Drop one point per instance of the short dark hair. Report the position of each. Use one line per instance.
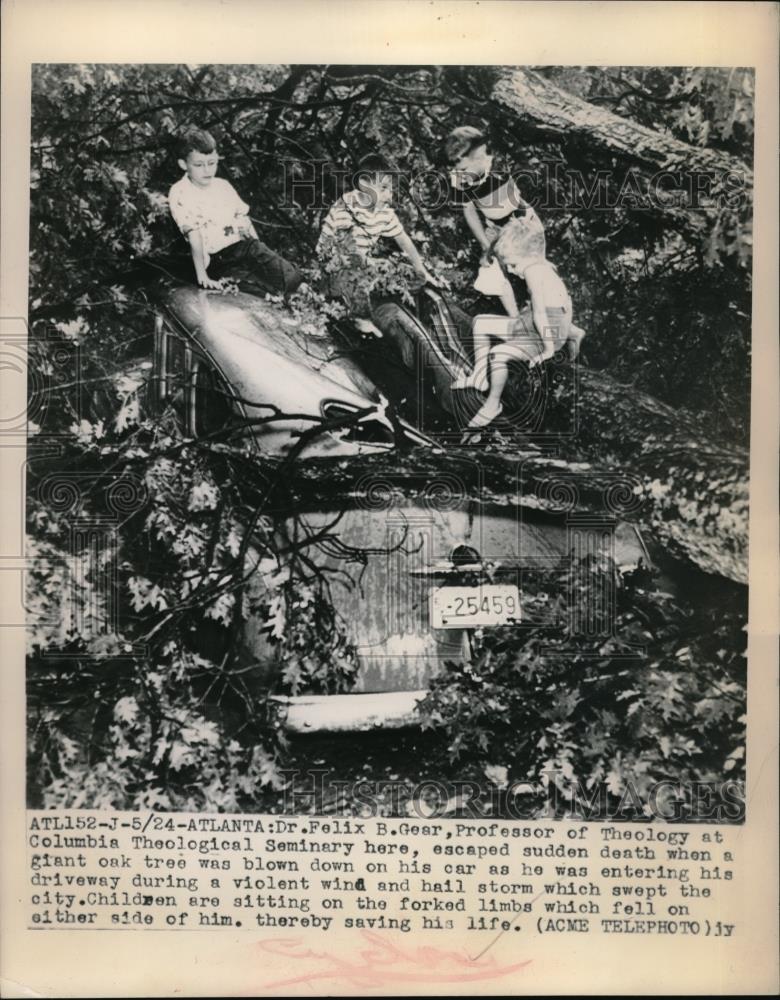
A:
(462, 140)
(372, 166)
(195, 140)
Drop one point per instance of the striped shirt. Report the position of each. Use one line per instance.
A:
(366, 225)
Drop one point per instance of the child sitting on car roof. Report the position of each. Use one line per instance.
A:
(361, 218)
(215, 221)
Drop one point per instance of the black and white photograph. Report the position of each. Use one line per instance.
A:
(389, 425)
(388, 439)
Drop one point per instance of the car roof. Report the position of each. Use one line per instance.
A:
(219, 322)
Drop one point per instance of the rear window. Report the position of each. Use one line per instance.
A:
(214, 409)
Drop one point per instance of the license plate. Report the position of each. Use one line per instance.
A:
(470, 607)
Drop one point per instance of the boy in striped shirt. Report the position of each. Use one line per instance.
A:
(362, 217)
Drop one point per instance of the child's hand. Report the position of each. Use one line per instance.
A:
(245, 228)
(210, 283)
(430, 279)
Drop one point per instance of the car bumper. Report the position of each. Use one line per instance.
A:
(349, 712)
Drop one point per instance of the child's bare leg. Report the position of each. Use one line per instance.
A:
(574, 341)
(500, 356)
(491, 408)
(484, 332)
(499, 373)
(479, 375)
(509, 302)
(548, 324)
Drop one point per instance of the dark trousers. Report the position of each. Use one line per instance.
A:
(349, 285)
(256, 267)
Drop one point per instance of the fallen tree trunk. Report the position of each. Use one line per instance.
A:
(626, 452)
(539, 104)
(633, 458)
(703, 192)
(699, 522)
(692, 490)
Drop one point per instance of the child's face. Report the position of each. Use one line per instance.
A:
(379, 189)
(473, 166)
(200, 167)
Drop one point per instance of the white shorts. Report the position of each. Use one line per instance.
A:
(523, 329)
(491, 280)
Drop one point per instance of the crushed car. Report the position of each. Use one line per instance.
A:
(416, 563)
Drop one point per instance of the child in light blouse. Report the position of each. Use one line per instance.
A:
(491, 203)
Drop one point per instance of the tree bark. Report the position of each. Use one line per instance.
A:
(703, 192)
(626, 455)
(690, 489)
(554, 112)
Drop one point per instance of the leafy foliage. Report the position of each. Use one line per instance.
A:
(641, 701)
(154, 705)
(655, 298)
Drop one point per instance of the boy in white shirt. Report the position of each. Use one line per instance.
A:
(216, 223)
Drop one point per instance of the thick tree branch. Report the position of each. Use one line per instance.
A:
(546, 108)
